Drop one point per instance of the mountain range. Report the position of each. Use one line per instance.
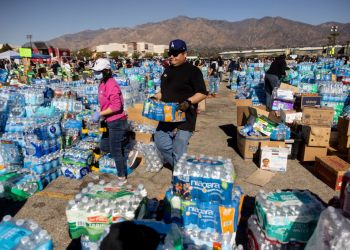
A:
(199, 33)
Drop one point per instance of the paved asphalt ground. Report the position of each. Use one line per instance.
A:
(215, 135)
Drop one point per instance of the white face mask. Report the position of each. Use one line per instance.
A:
(98, 75)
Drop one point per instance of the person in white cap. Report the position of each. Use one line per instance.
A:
(111, 102)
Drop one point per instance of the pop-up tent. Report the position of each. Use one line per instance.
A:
(34, 56)
(8, 54)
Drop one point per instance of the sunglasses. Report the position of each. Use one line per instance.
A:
(174, 53)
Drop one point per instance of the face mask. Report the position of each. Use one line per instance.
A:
(98, 76)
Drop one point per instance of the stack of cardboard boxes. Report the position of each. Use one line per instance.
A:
(316, 131)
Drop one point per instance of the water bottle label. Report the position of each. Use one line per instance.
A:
(10, 235)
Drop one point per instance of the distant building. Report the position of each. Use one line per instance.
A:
(108, 48)
(249, 53)
(160, 49)
(131, 47)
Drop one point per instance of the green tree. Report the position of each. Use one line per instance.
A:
(136, 55)
(5, 47)
(148, 55)
(117, 54)
(165, 54)
(85, 52)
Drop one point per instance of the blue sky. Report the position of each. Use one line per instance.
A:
(47, 19)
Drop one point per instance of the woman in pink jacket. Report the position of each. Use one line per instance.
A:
(111, 101)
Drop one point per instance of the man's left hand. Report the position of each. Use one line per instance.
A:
(185, 105)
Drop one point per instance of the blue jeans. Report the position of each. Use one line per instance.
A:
(271, 82)
(172, 144)
(213, 84)
(115, 141)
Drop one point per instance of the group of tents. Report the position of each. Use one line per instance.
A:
(14, 55)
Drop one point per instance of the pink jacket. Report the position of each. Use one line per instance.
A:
(110, 96)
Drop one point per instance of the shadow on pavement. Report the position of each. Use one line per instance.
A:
(246, 211)
(10, 207)
(231, 131)
(74, 244)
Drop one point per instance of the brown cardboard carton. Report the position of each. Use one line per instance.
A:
(248, 146)
(316, 136)
(330, 169)
(303, 101)
(135, 114)
(309, 153)
(242, 112)
(287, 86)
(289, 116)
(333, 140)
(344, 126)
(275, 116)
(318, 116)
(258, 110)
(343, 141)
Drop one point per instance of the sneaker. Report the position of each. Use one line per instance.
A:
(132, 157)
(121, 181)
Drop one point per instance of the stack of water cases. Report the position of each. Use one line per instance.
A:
(76, 162)
(19, 234)
(204, 201)
(152, 157)
(161, 111)
(332, 231)
(99, 205)
(283, 219)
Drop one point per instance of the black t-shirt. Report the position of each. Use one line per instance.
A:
(278, 67)
(177, 85)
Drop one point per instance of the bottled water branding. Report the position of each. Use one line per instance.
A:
(278, 211)
(99, 205)
(23, 235)
(161, 111)
(204, 178)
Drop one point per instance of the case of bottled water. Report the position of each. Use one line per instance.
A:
(99, 205)
(19, 234)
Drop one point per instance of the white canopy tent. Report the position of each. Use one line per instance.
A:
(8, 54)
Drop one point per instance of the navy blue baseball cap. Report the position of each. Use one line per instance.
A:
(177, 45)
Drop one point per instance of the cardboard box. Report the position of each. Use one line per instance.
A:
(287, 86)
(242, 112)
(316, 136)
(143, 137)
(248, 146)
(135, 114)
(330, 169)
(344, 126)
(258, 110)
(274, 159)
(343, 141)
(306, 101)
(274, 144)
(318, 116)
(309, 153)
(289, 116)
(333, 140)
(275, 116)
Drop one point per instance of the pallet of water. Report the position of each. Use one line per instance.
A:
(99, 205)
(287, 216)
